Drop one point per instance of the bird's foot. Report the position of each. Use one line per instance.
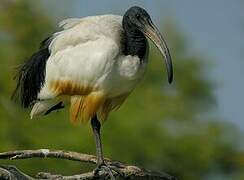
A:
(110, 171)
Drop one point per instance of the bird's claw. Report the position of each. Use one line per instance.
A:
(110, 171)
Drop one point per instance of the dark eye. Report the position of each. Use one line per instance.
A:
(137, 16)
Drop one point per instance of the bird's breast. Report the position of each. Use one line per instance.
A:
(126, 74)
(130, 67)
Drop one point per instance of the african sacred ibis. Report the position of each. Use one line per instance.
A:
(95, 62)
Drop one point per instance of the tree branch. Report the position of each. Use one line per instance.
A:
(127, 171)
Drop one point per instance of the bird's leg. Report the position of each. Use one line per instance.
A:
(96, 131)
(100, 160)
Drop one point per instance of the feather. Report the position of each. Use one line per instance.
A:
(84, 62)
(109, 105)
(31, 76)
(45, 107)
(83, 108)
(69, 23)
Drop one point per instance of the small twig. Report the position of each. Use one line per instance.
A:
(12, 173)
(128, 171)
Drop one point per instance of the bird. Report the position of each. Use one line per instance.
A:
(91, 65)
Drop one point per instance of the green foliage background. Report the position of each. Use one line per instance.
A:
(160, 127)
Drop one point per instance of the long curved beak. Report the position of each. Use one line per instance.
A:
(152, 32)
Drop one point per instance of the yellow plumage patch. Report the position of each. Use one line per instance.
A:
(67, 87)
(75, 107)
(83, 108)
(86, 101)
(109, 105)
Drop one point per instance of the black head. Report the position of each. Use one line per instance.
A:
(137, 19)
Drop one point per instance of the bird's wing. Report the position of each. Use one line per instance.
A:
(78, 47)
(69, 23)
(79, 69)
(31, 74)
(77, 31)
(82, 71)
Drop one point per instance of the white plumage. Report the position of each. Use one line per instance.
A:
(86, 63)
(94, 63)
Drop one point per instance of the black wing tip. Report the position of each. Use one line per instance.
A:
(16, 94)
(30, 76)
(56, 107)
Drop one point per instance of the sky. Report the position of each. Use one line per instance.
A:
(215, 29)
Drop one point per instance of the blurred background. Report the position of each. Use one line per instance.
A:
(192, 129)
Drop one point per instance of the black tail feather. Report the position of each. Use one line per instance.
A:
(55, 108)
(31, 76)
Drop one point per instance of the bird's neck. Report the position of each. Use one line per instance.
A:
(135, 42)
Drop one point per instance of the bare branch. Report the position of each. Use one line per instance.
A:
(127, 171)
(46, 153)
